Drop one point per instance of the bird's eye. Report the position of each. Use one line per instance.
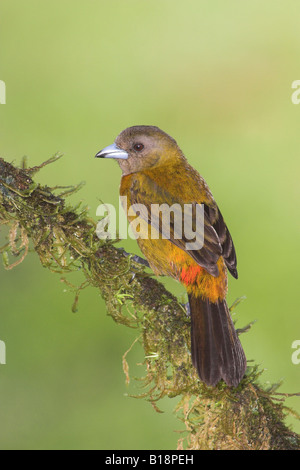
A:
(138, 147)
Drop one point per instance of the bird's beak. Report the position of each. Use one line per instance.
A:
(112, 151)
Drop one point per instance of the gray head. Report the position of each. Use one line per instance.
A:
(140, 147)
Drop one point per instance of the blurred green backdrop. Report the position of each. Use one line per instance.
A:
(216, 76)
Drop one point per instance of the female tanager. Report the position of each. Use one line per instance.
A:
(155, 172)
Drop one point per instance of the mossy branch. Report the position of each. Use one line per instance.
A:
(248, 417)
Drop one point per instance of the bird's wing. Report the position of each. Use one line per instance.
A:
(225, 239)
(216, 239)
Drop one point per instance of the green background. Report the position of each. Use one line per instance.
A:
(217, 77)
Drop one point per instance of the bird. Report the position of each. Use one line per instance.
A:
(155, 172)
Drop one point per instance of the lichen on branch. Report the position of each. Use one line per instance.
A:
(39, 219)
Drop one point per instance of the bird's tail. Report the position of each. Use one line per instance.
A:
(216, 349)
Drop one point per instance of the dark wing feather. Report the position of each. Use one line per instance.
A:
(228, 250)
(217, 239)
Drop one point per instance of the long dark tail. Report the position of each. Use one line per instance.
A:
(216, 349)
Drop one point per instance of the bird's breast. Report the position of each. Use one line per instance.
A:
(164, 257)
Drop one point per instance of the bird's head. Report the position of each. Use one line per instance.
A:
(139, 148)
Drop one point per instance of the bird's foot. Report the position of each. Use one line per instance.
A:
(136, 258)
